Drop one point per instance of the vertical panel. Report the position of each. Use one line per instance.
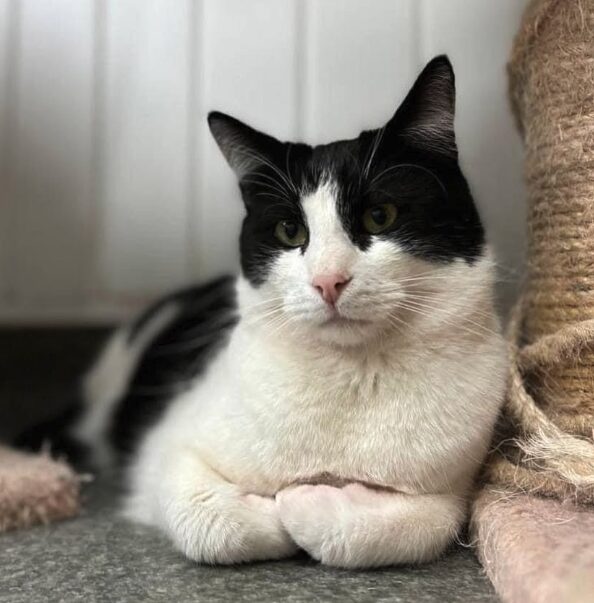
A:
(359, 64)
(479, 42)
(144, 176)
(51, 149)
(8, 29)
(248, 71)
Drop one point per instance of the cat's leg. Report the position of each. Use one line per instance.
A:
(358, 527)
(208, 518)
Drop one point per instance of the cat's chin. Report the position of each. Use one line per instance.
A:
(345, 322)
(345, 331)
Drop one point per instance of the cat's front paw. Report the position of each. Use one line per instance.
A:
(317, 519)
(246, 528)
(344, 527)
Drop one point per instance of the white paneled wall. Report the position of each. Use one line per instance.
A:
(112, 190)
(146, 128)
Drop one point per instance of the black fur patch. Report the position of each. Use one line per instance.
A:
(412, 162)
(54, 434)
(174, 358)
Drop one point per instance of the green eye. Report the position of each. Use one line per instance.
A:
(379, 218)
(291, 234)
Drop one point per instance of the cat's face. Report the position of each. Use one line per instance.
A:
(346, 240)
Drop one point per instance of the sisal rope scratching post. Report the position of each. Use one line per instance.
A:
(533, 520)
(34, 488)
(550, 402)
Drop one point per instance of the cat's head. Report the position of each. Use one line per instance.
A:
(350, 239)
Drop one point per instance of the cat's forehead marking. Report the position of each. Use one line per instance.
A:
(320, 209)
(330, 248)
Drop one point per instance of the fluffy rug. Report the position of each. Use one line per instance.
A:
(536, 550)
(35, 489)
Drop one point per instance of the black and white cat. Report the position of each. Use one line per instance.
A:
(338, 396)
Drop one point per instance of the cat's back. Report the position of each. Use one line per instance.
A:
(146, 364)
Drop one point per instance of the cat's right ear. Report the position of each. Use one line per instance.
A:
(244, 148)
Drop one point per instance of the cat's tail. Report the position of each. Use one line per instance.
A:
(54, 434)
(77, 432)
(60, 435)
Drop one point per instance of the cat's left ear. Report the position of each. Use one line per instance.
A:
(426, 116)
(244, 148)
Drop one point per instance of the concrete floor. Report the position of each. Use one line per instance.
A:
(101, 557)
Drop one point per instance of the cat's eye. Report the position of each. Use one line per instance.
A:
(379, 218)
(291, 234)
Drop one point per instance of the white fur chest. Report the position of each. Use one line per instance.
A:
(411, 418)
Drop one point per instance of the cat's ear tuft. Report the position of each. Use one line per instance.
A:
(426, 117)
(244, 148)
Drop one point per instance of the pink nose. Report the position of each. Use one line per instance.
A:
(330, 286)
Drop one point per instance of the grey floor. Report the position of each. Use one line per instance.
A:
(101, 557)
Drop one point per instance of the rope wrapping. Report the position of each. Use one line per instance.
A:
(547, 441)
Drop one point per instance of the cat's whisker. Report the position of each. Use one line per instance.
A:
(453, 306)
(458, 326)
(259, 157)
(263, 316)
(267, 302)
(289, 319)
(279, 193)
(460, 323)
(429, 275)
(186, 346)
(257, 179)
(373, 150)
(272, 184)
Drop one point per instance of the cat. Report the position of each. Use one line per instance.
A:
(339, 395)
